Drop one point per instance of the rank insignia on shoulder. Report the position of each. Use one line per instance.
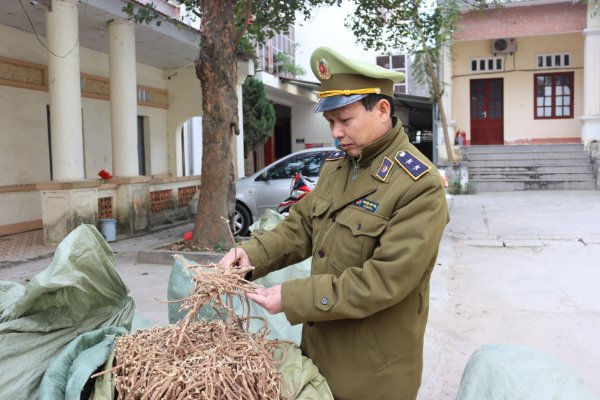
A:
(384, 169)
(335, 155)
(411, 164)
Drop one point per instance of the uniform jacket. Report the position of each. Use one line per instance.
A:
(373, 229)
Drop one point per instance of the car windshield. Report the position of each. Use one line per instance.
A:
(308, 164)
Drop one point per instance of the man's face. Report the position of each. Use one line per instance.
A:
(355, 127)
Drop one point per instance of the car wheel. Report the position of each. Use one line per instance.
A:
(242, 219)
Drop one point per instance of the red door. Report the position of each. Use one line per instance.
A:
(487, 111)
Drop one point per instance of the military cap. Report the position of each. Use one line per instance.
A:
(344, 81)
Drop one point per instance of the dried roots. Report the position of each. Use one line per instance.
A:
(200, 359)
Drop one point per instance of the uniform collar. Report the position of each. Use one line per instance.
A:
(371, 151)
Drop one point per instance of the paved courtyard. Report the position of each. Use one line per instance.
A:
(516, 268)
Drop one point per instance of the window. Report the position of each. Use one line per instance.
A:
(487, 64)
(309, 164)
(553, 95)
(554, 60)
(396, 62)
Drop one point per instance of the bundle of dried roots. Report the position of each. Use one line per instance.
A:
(200, 359)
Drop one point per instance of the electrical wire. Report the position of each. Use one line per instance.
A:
(40, 40)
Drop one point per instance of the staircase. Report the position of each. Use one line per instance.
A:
(530, 167)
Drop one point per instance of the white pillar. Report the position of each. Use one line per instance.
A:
(238, 140)
(123, 97)
(590, 130)
(62, 25)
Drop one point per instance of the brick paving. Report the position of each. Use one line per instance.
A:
(23, 247)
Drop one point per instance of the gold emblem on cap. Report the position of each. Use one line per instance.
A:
(324, 70)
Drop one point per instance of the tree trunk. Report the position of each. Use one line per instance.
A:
(216, 68)
(438, 99)
(437, 95)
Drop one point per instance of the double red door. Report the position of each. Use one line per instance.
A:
(487, 111)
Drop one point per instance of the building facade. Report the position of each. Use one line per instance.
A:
(526, 73)
(82, 89)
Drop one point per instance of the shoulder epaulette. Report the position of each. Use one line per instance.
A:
(411, 164)
(335, 155)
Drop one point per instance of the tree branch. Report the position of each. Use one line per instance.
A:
(244, 28)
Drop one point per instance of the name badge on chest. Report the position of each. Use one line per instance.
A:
(367, 205)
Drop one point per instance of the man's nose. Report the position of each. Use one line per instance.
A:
(337, 130)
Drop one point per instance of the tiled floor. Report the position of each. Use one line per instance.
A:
(23, 246)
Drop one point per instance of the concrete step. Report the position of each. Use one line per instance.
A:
(527, 163)
(503, 185)
(530, 167)
(541, 169)
(530, 155)
(556, 176)
(525, 148)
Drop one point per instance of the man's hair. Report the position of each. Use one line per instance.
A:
(372, 99)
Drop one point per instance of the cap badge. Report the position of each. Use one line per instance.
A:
(324, 71)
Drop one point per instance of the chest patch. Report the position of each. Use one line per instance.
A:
(384, 169)
(411, 164)
(367, 205)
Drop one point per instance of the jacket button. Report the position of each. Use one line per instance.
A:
(332, 217)
(321, 253)
(310, 323)
(324, 301)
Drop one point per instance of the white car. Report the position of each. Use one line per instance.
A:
(268, 187)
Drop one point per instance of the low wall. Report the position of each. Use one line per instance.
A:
(138, 204)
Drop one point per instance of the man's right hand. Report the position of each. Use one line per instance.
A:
(235, 258)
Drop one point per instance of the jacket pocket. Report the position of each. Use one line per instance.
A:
(320, 206)
(356, 237)
(371, 345)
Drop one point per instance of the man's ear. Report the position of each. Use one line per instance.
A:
(383, 106)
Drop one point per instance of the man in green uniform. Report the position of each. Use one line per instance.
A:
(373, 225)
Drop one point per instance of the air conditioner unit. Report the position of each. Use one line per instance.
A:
(505, 45)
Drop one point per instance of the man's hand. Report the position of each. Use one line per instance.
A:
(238, 262)
(235, 258)
(267, 298)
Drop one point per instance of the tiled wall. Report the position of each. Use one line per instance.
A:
(161, 200)
(105, 207)
(185, 194)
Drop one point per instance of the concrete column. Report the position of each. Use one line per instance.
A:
(62, 24)
(123, 98)
(590, 131)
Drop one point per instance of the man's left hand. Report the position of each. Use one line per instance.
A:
(267, 298)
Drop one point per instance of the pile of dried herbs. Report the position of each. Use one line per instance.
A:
(200, 359)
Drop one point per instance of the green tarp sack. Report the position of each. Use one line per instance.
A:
(516, 372)
(80, 291)
(68, 376)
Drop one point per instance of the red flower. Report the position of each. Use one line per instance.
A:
(104, 174)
